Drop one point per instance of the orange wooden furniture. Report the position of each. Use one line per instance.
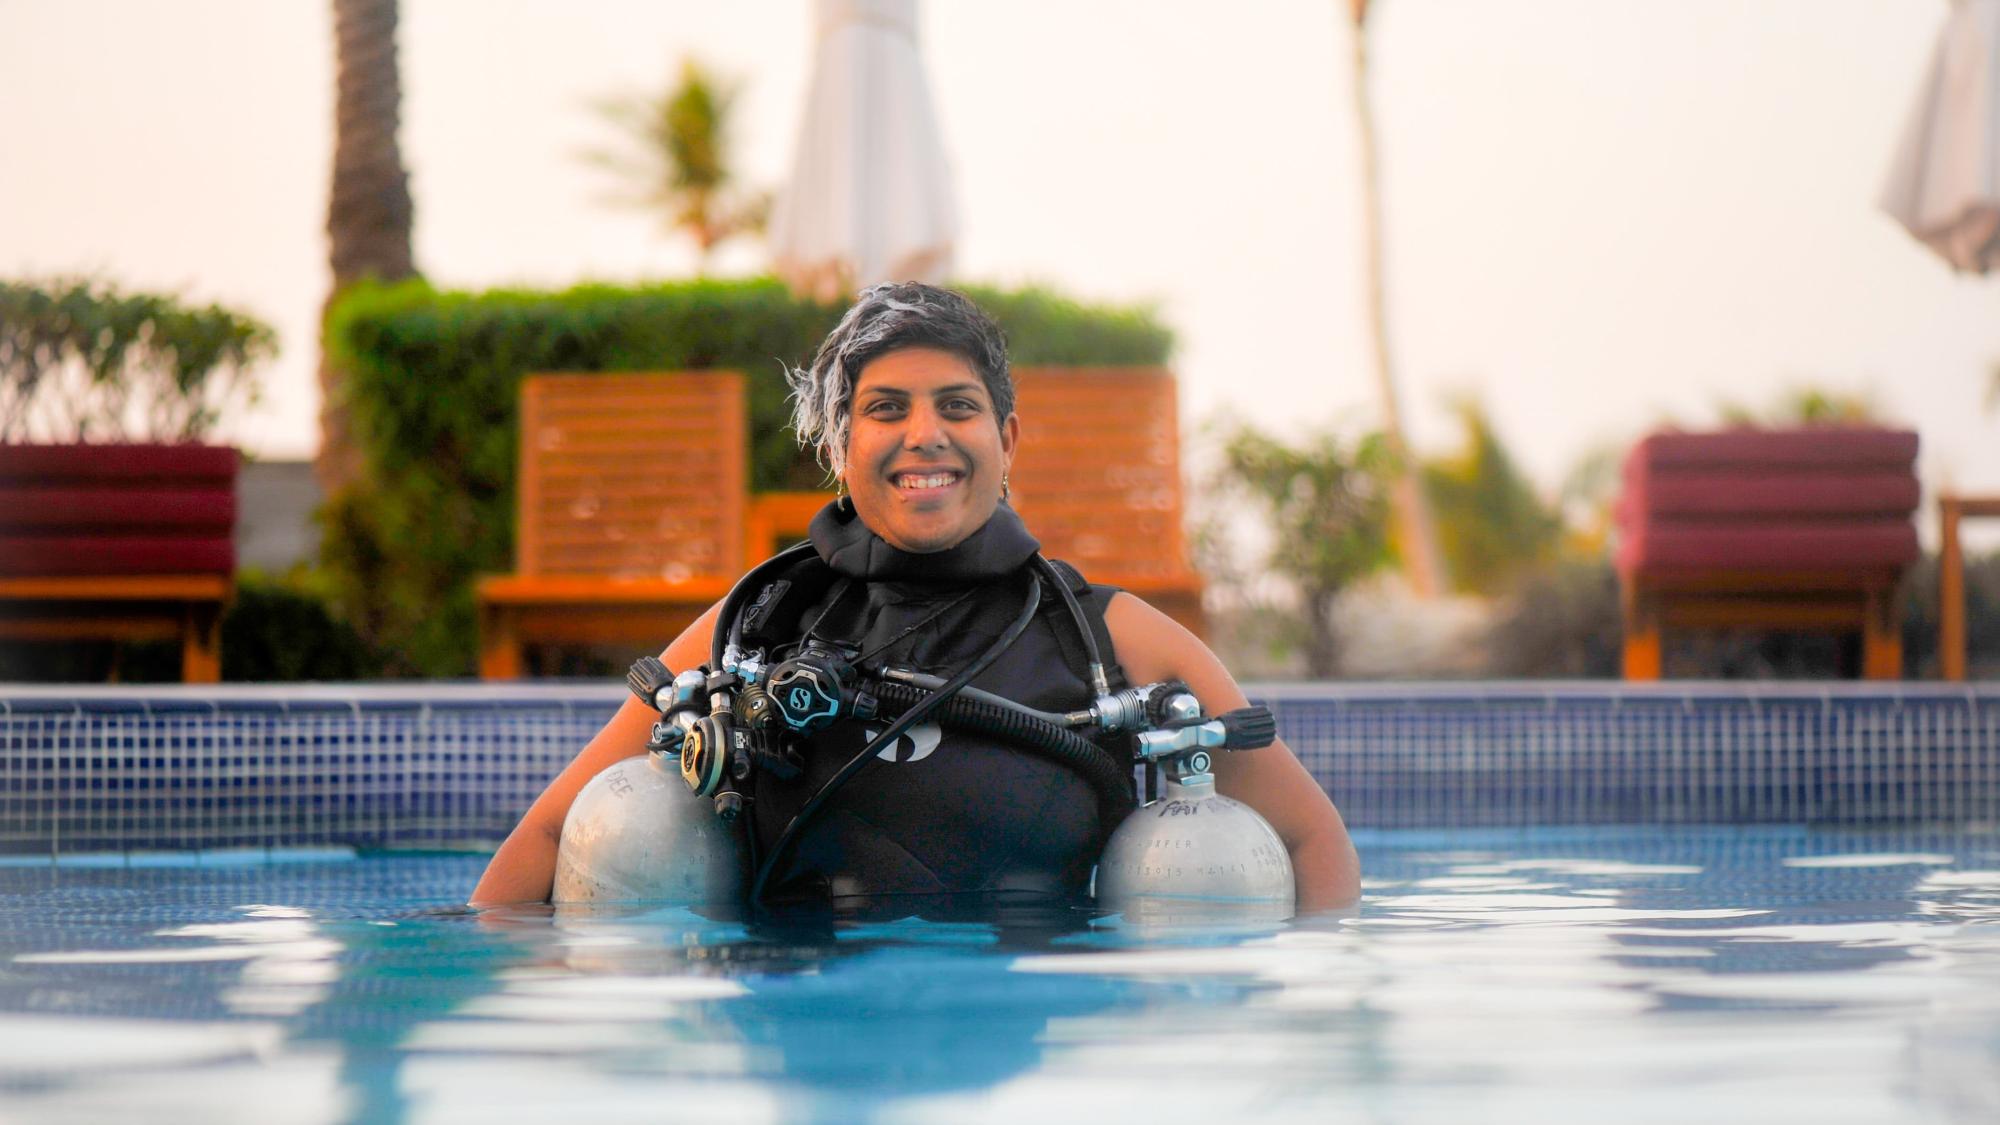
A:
(158, 607)
(631, 513)
(1097, 479)
(780, 519)
(1804, 530)
(119, 542)
(1952, 510)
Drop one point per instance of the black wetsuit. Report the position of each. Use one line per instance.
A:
(943, 814)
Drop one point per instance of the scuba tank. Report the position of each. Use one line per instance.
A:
(636, 834)
(643, 830)
(1194, 854)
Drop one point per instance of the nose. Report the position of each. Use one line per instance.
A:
(924, 429)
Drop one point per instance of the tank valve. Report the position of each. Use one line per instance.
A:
(666, 738)
(1245, 728)
(1139, 708)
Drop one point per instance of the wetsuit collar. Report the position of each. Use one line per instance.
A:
(846, 544)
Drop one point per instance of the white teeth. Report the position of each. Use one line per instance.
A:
(936, 480)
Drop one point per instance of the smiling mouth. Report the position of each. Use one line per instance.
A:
(926, 482)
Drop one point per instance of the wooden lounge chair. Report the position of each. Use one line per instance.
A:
(1098, 480)
(1805, 530)
(631, 513)
(1954, 509)
(120, 543)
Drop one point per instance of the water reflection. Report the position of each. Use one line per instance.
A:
(1621, 976)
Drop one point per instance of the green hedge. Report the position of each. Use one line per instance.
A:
(432, 379)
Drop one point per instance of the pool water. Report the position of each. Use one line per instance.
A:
(1617, 974)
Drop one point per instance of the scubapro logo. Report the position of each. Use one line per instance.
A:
(801, 699)
(913, 745)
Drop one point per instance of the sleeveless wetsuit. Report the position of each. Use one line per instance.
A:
(942, 812)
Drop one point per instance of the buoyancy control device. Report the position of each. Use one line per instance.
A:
(667, 826)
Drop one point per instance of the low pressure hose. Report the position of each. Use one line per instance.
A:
(1110, 781)
(1098, 684)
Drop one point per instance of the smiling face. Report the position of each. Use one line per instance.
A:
(926, 453)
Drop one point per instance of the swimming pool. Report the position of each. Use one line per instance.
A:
(205, 915)
(1608, 974)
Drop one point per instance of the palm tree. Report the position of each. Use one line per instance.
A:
(1422, 561)
(368, 213)
(678, 158)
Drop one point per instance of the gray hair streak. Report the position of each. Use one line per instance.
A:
(887, 318)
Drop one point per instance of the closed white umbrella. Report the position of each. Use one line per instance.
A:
(1944, 185)
(869, 199)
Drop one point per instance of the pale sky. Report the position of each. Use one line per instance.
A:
(1599, 212)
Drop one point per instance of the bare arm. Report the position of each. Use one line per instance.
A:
(524, 868)
(1152, 646)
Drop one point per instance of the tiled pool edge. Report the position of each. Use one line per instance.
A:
(452, 765)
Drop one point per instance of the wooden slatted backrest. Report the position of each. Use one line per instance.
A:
(1098, 475)
(633, 476)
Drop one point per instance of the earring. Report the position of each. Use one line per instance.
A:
(1005, 490)
(840, 501)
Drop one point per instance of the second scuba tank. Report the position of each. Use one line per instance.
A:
(1196, 855)
(636, 834)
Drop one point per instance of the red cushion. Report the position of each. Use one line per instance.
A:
(54, 556)
(73, 510)
(133, 463)
(1651, 495)
(1835, 545)
(1822, 447)
(1811, 499)
(109, 507)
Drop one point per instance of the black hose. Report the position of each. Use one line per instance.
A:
(1081, 622)
(1111, 781)
(891, 733)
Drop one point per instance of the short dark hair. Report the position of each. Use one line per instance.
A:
(884, 319)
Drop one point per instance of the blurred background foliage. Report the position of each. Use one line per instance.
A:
(1491, 524)
(1324, 501)
(84, 361)
(432, 391)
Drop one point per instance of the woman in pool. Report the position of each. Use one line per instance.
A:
(911, 405)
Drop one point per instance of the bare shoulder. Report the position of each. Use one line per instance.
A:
(1152, 647)
(691, 648)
